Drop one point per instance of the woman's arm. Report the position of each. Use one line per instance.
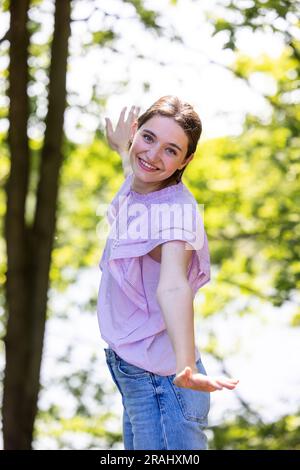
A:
(175, 298)
(118, 138)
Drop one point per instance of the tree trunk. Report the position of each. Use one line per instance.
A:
(29, 248)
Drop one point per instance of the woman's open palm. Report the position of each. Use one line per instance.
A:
(118, 138)
(196, 381)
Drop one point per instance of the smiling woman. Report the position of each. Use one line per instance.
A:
(145, 305)
(165, 137)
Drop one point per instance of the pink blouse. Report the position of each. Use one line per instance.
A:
(130, 318)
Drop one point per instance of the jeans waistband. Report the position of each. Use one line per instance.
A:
(112, 356)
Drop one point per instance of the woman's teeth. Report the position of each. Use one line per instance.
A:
(146, 165)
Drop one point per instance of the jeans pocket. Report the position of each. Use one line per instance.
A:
(112, 373)
(194, 404)
(131, 371)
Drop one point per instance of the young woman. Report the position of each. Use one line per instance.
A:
(155, 260)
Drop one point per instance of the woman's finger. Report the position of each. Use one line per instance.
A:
(108, 127)
(210, 386)
(227, 383)
(131, 116)
(137, 110)
(133, 113)
(215, 385)
(121, 117)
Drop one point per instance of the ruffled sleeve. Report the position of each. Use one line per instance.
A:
(151, 227)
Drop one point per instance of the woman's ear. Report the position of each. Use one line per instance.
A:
(186, 161)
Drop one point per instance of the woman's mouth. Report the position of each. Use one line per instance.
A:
(146, 166)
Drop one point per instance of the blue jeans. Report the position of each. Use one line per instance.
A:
(158, 415)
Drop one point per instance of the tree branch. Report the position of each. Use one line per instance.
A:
(6, 37)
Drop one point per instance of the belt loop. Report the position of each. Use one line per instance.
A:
(110, 354)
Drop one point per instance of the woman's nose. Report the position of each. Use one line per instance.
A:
(153, 154)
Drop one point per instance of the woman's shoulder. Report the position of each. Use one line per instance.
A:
(123, 189)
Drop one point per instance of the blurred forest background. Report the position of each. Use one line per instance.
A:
(52, 183)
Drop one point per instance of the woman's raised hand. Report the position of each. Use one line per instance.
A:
(196, 381)
(118, 138)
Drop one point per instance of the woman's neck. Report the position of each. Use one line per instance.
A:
(144, 188)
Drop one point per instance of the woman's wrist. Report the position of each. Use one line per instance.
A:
(181, 365)
(124, 153)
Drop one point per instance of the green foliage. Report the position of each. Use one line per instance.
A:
(91, 175)
(266, 15)
(296, 318)
(4, 169)
(103, 37)
(249, 186)
(64, 432)
(241, 434)
(91, 419)
(5, 5)
(148, 17)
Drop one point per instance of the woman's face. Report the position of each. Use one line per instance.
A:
(162, 144)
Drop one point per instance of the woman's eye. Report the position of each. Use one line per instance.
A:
(148, 138)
